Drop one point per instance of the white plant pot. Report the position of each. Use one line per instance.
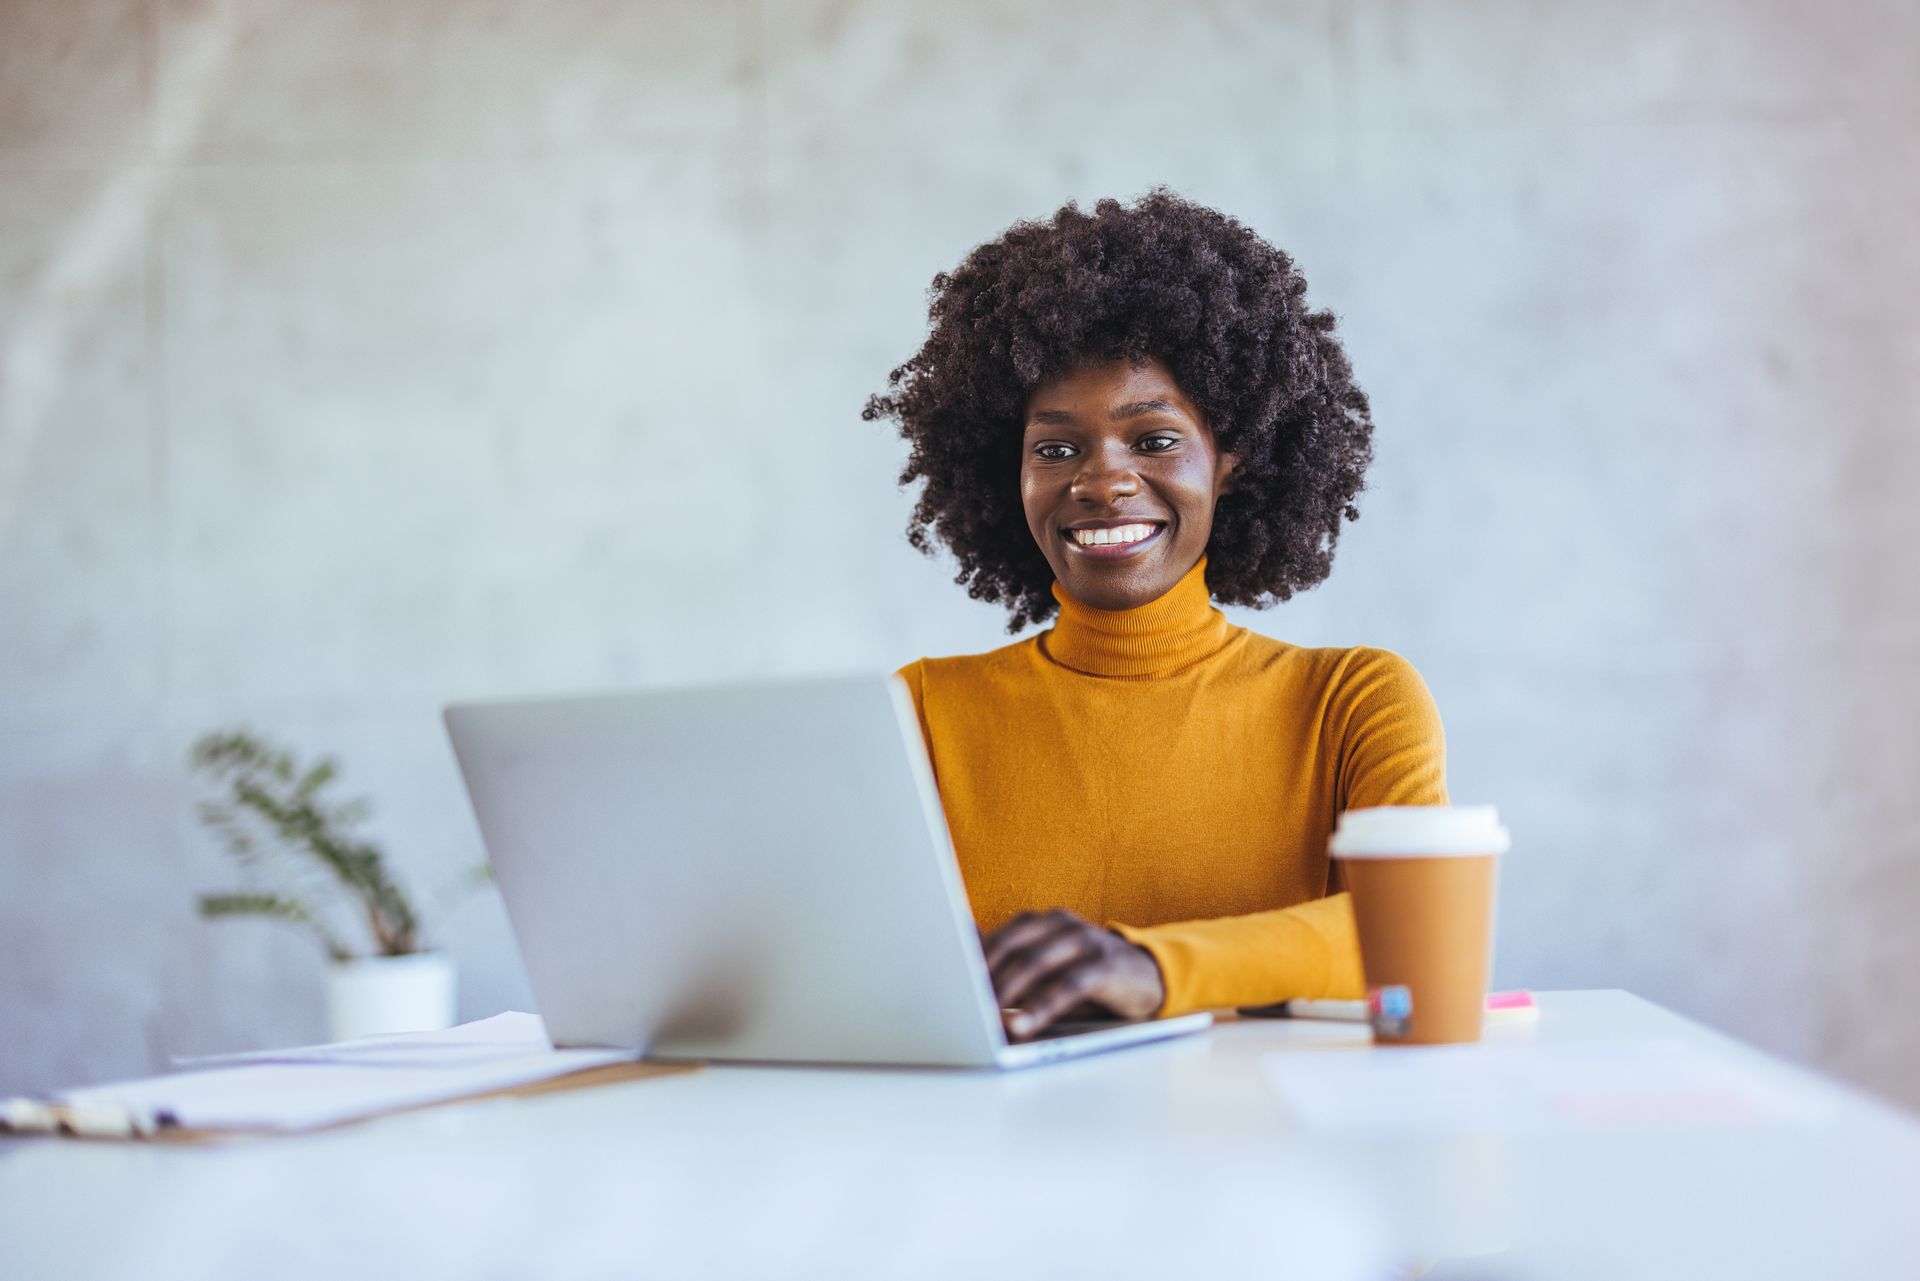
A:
(372, 995)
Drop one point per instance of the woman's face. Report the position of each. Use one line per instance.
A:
(1121, 450)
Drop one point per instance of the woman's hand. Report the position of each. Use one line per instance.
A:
(1047, 963)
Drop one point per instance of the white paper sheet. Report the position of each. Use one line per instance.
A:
(1524, 1088)
(514, 1032)
(320, 1085)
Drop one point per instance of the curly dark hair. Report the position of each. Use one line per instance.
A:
(1162, 277)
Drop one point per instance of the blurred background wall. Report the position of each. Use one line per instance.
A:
(366, 354)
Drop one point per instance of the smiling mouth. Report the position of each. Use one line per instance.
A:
(1115, 543)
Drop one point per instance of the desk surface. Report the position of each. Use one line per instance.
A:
(1171, 1158)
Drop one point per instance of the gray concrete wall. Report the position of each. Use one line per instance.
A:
(363, 355)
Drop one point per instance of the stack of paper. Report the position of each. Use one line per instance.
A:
(318, 1085)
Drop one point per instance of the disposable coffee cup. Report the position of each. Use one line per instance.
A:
(1422, 879)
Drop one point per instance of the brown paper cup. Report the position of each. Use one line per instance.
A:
(1422, 879)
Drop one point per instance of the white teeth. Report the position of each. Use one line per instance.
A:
(1107, 537)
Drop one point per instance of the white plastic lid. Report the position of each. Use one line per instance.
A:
(1405, 831)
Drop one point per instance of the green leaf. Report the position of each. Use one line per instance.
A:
(270, 905)
(275, 807)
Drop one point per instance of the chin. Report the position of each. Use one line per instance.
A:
(1116, 591)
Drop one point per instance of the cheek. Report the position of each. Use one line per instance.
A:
(1196, 497)
(1035, 503)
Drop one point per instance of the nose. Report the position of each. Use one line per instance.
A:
(1100, 482)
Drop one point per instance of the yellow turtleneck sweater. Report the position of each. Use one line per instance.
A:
(1165, 773)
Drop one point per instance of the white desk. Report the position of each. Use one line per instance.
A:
(1174, 1159)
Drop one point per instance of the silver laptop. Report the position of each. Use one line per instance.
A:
(745, 872)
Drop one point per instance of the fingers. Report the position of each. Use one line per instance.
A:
(1026, 971)
(1045, 965)
(1023, 931)
(1027, 948)
(1050, 1000)
(1050, 964)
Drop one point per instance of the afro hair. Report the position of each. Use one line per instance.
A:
(1161, 277)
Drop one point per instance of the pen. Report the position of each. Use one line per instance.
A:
(1503, 1004)
(1311, 1008)
(85, 1120)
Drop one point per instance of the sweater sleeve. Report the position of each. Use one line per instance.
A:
(1384, 735)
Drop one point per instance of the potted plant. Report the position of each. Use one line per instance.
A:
(310, 867)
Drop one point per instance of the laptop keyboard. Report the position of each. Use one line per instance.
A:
(1074, 1027)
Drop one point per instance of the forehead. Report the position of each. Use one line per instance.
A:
(1107, 386)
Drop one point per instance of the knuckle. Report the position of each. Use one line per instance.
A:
(1067, 947)
(1071, 984)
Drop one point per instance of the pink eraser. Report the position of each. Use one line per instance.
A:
(1520, 1000)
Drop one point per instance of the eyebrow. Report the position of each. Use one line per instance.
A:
(1132, 409)
(1140, 408)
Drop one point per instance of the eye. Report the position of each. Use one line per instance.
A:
(1053, 451)
(1158, 444)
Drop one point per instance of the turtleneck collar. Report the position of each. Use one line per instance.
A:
(1162, 636)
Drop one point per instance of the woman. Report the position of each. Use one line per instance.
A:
(1123, 417)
